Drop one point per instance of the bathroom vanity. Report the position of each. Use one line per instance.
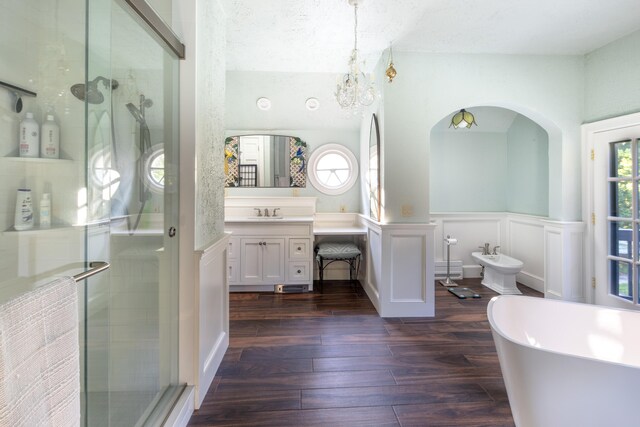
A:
(266, 252)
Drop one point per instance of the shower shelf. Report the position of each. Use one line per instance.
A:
(37, 230)
(35, 159)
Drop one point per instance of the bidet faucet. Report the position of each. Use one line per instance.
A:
(495, 250)
(275, 212)
(259, 211)
(485, 249)
(266, 212)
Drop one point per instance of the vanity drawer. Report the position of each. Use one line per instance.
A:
(299, 248)
(232, 271)
(298, 271)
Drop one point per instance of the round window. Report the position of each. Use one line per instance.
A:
(333, 169)
(154, 168)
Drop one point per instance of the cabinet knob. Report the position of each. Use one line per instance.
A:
(299, 271)
(260, 243)
(299, 248)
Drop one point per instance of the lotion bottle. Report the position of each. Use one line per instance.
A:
(29, 137)
(45, 211)
(50, 139)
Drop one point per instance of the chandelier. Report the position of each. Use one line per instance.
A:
(355, 89)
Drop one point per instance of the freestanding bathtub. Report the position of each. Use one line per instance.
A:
(567, 364)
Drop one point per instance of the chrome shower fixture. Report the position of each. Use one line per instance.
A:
(138, 113)
(90, 91)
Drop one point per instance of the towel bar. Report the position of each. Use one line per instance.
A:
(96, 267)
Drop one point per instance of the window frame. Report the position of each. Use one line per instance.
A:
(343, 152)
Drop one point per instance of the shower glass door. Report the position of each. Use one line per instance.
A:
(130, 332)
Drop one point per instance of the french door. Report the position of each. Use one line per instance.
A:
(616, 209)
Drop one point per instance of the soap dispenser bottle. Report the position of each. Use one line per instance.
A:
(45, 211)
(29, 137)
(50, 139)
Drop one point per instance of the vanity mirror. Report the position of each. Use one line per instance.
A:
(265, 161)
(374, 168)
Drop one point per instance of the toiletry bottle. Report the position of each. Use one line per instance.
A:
(29, 137)
(50, 139)
(45, 211)
(24, 210)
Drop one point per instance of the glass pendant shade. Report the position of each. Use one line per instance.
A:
(391, 71)
(463, 118)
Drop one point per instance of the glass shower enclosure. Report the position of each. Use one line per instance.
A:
(112, 87)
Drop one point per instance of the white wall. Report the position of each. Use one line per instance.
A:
(527, 168)
(289, 116)
(547, 89)
(612, 87)
(468, 172)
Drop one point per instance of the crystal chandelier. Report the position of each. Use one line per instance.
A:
(355, 89)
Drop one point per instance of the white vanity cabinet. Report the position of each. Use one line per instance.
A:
(261, 260)
(264, 253)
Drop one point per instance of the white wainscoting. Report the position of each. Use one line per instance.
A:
(400, 269)
(525, 236)
(213, 313)
(563, 242)
(550, 250)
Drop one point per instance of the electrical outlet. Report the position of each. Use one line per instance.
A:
(295, 192)
(343, 208)
(407, 211)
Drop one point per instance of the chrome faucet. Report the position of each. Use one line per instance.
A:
(259, 211)
(485, 249)
(495, 250)
(266, 212)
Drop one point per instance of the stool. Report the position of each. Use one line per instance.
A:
(338, 251)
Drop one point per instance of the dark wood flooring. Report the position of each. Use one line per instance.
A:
(330, 360)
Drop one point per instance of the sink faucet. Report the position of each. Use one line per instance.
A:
(275, 211)
(495, 250)
(266, 212)
(259, 211)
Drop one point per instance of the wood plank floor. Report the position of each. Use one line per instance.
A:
(329, 359)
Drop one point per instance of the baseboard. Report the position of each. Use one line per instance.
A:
(373, 294)
(182, 410)
(531, 281)
(211, 365)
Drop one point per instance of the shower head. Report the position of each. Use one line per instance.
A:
(135, 112)
(138, 113)
(90, 91)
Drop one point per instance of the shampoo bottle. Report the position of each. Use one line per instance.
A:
(24, 210)
(50, 139)
(45, 211)
(29, 137)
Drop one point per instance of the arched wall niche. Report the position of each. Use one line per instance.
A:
(499, 165)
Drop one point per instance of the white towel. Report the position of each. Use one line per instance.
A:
(39, 357)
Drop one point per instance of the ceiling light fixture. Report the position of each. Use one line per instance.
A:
(263, 103)
(355, 89)
(391, 72)
(463, 118)
(312, 104)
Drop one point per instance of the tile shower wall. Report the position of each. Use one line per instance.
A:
(45, 54)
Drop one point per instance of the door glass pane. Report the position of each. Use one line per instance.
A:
(620, 278)
(621, 199)
(621, 234)
(621, 159)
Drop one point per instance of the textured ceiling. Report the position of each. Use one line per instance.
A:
(317, 35)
